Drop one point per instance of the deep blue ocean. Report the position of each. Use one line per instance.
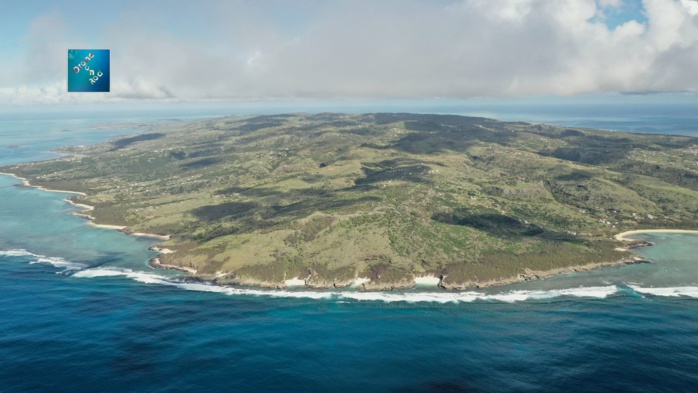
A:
(80, 310)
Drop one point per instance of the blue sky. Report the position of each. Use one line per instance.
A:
(626, 11)
(183, 51)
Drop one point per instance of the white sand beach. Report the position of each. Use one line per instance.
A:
(626, 236)
(116, 227)
(80, 205)
(142, 234)
(26, 183)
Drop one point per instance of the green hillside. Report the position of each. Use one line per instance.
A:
(332, 197)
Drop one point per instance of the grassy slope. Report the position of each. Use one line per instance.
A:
(386, 196)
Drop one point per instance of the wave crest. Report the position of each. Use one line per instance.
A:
(667, 291)
(599, 292)
(38, 258)
(410, 297)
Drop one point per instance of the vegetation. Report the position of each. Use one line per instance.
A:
(331, 197)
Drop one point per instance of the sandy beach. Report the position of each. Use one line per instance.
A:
(116, 227)
(154, 236)
(26, 183)
(85, 207)
(122, 229)
(80, 205)
(60, 191)
(627, 236)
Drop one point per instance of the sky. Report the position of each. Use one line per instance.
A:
(203, 51)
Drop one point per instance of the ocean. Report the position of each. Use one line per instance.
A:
(80, 310)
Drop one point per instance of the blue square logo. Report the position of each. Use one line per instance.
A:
(88, 70)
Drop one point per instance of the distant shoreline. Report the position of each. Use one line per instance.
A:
(626, 236)
(26, 183)
(85, 208)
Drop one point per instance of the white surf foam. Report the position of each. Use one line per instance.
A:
(150, 278)
(471, 296)
(60, 262)
(16, 253)
(54, 261)
(599, 292)
(667, 291)
(388, 297)
(147, 278)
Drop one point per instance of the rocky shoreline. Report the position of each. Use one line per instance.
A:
(531, 275)
(428, 280)
(155, 263)
(635, 244)
(366, 285)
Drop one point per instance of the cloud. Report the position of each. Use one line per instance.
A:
(409, 48)
(611, 3)
(691, 6)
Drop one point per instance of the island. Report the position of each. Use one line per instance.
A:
(380, 201)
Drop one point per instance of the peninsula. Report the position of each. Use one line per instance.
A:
(380, 201)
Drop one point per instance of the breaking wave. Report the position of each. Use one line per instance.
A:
(599, 292)
(410, 297)
(668, 291)
(53, 261)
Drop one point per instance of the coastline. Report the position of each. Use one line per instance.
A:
(81, 205)
(151, 235)
(155, 263)
(531, 275)
(626, 236)
(115, 227)
(422, 281)
(26, 183)
(86, 208)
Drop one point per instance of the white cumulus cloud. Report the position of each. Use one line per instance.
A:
(389, 48)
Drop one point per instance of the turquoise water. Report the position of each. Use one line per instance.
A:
(80, 310)
(32, 137)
